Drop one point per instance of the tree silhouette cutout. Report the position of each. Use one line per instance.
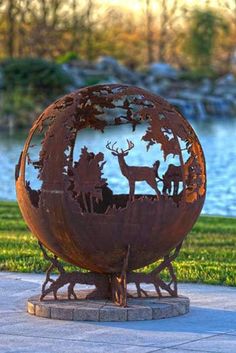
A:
(87, 174)
(160, 131)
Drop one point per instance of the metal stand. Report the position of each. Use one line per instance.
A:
(110, 286)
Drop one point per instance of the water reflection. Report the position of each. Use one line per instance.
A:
(218, 140)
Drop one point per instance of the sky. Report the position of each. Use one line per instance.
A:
(137, 5)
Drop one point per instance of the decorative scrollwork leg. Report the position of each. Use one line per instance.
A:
(50, 285)
(154, 277)
(110, 286)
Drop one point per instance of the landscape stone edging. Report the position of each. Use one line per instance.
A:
(96, 310)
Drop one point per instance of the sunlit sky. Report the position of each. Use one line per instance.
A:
(137, 5)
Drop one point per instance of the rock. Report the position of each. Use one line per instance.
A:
(195, 100)
(1, 80)
(226, 79)
(160, 87)
(218, 106)
(112, 67)
(191, 109)
(161, 70)
(76, 73)
(206, 86)
(107, 63)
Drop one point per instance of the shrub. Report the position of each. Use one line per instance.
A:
(199, 75)
(204, 28)
(29, 84)
(94, 80)
(67, 57)
(35, 75)
(19, 107)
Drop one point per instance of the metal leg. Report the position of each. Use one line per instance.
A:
(110, 286)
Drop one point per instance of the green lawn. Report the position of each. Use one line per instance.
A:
(208, 254)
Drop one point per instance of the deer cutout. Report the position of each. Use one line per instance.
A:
(176, 175)
(173, 174)
(132, 173)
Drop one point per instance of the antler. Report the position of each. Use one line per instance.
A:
(130, 146)
(116, 150)
(111, 148)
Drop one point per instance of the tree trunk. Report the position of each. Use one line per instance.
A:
(10, 28)
(163, 31)
(74, 27)
(89, 26)
(149, 37)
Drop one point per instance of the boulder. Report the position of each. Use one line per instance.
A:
(226, 80)
(161, 70)
(112, 67)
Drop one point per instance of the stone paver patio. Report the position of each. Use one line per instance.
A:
(209, 327)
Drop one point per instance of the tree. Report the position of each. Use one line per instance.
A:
(171, 14)
(89, 30)
(123, 37)
(88, 179)
(11, 27)
(229, 8)
(149, 36)
(44, 26)
(22, 7)
(162, 17)
(74, 26)
(205, 25)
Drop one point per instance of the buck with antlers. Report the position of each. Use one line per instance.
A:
(132, 173)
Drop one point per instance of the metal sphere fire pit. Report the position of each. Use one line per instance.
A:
(87, 206)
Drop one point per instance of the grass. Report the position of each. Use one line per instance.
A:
(208, 254)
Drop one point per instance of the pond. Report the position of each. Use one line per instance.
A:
(218, 139)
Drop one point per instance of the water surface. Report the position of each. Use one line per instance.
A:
(218, 139)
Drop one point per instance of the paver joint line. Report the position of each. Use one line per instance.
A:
(78, 340)
(177, 346)
(189, 332)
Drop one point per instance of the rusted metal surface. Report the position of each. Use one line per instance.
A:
(110, 286)
(75, 213)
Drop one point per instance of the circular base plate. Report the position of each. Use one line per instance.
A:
(145, 308)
